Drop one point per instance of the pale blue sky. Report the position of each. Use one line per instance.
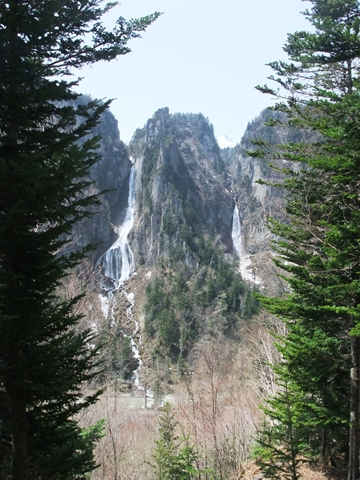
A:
(199, 56)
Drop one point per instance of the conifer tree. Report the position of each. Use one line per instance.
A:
(280, 441)
(43, 168)
(174, 457)
(319, 245)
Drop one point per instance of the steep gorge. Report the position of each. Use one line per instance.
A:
(180, 219)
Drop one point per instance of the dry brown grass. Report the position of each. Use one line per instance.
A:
(316, 472)
(250, 471)
(130, 430)
(216, 405)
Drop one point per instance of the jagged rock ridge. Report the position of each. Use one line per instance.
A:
(180, 187)
(185, 186)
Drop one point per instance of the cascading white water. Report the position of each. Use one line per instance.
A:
(135, 341)
(236, 232)
(245, 265)
(118, 261)
(118, 265)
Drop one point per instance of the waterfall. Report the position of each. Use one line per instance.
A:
(245, 263)
(135, 341)
(236, 232)
(118, 265)
(118, 261)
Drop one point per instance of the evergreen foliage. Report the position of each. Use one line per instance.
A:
(319, 246)
(280, 440)
(186, 304)
(117, 358)
(174, 457)
(43, 169)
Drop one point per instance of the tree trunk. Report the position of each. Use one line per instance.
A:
(323, 445)
(353, 472)
(19, 438)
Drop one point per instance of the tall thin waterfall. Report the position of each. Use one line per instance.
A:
(236, 232)
(245, 266)
(117, 265)
(118, 261)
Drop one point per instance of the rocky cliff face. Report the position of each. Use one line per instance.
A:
(180, 188)
(186, 189)
(256, 202)
(110, 174)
